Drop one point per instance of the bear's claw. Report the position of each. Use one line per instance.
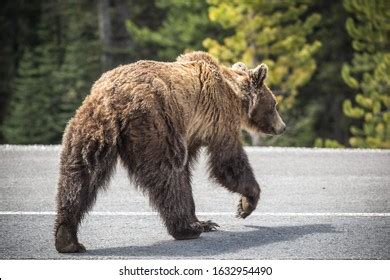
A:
(244, 208)
(208, 226)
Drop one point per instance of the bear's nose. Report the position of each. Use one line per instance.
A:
(281, 128)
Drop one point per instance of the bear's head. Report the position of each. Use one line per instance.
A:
(260, 113)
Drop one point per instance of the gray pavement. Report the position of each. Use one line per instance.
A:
(316, 204)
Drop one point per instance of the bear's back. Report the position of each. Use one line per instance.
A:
(189, 92)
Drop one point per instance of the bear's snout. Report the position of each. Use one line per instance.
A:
(280, 129)
(279, 126)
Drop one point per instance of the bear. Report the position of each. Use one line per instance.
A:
(154, 117)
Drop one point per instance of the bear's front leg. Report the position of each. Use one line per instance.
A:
(229, 165)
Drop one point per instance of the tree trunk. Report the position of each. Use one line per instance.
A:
(122, 43)
(105, 32)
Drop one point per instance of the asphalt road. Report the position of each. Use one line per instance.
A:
(316, 204)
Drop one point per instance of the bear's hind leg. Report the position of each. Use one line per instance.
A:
(83, 171)
(171, 194)
(156, 157)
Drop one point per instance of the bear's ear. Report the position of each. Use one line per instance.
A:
(239, 66)
(259, 74)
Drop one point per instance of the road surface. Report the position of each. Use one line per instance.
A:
(316, 204)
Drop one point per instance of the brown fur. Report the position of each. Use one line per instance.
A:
(155, 116)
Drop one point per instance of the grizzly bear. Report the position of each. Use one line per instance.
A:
(155, 116)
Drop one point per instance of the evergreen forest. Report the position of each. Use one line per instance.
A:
(329, 60)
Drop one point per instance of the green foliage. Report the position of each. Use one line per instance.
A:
(183, 27)
(327, 90)
(273, 32)
(54, 76)
(369, 73)
(327, 143)
(81, 62)
(51, 54)
(22, 127)
(349, 80)
(33, 107)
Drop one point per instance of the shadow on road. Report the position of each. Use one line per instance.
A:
(215, 243)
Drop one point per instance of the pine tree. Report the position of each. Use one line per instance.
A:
(54, 76)
(34, 104)
(272, 32)
(17, 33)
(324, 94)
(81, 63)
(369, 73)
(183, 25)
